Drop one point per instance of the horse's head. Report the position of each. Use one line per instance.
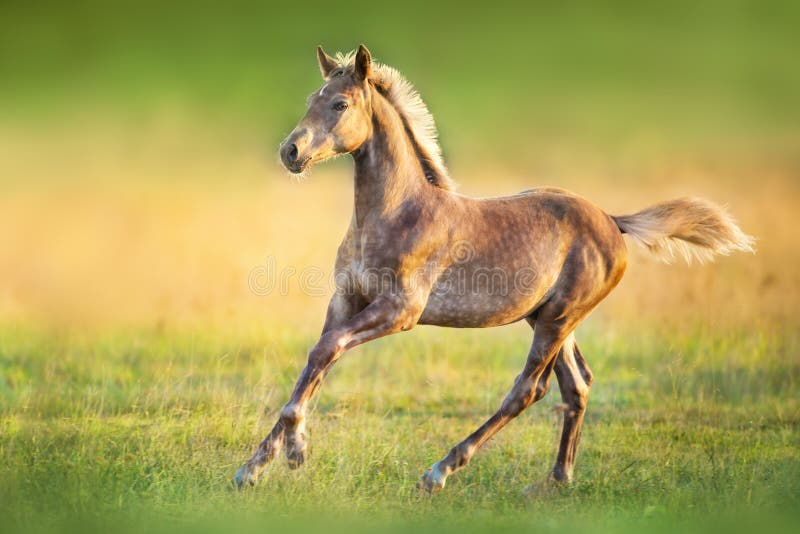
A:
(338, 117)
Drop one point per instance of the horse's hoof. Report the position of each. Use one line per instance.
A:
(243, 479)
(296, 457)
(432, 481)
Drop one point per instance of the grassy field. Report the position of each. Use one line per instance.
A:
(140, 195)
(149, 426)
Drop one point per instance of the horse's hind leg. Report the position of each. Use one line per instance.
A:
(574, 381)
(529, 387)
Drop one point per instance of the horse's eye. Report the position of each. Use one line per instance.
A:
(340, 106)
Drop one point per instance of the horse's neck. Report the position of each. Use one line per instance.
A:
(387, 170)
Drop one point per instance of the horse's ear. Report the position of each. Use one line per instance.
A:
(326, 63)
(363, 63)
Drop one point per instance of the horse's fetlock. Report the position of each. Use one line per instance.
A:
(291, 414)
(562, 474)
(462, 453)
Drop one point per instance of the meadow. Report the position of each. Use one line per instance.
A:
(141, 359)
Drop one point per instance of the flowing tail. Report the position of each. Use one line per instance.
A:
(690, 228)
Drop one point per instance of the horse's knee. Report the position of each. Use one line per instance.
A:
(461, 454)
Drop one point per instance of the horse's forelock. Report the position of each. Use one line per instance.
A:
(409, 104)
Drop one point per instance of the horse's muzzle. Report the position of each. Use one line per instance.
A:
(290, 158)
(293, 151)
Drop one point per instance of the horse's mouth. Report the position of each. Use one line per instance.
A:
(299, 166)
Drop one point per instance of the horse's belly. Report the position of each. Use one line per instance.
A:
(479, 309)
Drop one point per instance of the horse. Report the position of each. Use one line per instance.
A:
(418, 253)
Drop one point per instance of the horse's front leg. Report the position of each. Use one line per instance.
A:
(381, 317)
(342, 307)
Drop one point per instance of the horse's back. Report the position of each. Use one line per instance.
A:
(559, 212)
(533, 245)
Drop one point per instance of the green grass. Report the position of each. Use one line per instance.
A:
(146, 428)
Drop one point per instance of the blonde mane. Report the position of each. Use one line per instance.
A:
(412, 109)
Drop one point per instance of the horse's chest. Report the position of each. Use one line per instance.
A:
(370, 266)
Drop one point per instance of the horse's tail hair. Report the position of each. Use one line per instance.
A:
(690, 228)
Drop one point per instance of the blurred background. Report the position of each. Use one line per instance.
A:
(139, 181)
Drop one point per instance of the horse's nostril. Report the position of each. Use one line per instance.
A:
(292, 153)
